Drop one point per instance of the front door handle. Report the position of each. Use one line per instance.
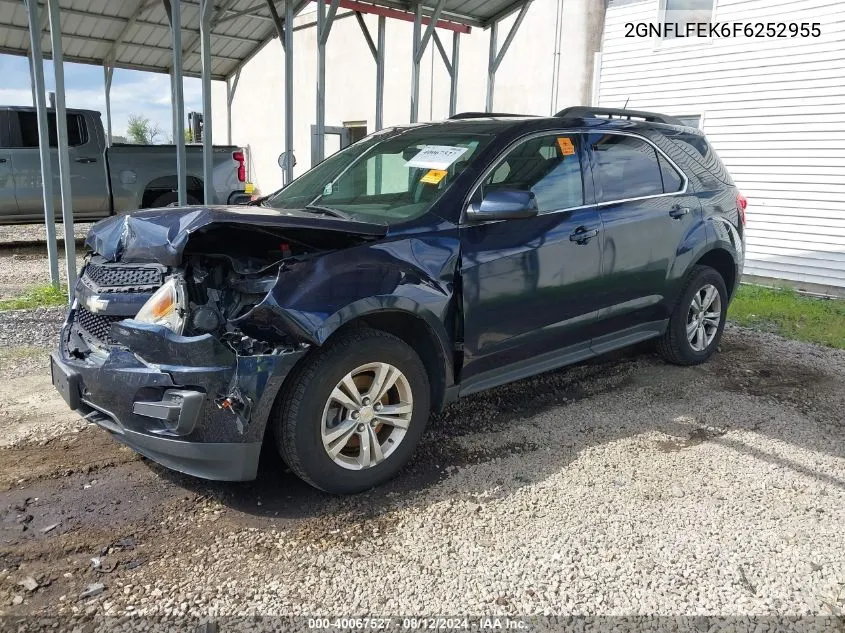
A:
(2, 160)
(679, 212)
(582, 235)
(86, 161)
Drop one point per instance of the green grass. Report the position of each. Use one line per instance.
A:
(36, 297)
(790, 314)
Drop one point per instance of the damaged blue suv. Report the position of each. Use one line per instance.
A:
(421, 264)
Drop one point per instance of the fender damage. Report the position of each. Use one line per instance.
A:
(261, 288)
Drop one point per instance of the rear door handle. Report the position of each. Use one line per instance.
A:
(679, 212)
(2, 160)
(582, 235)
(86, 160)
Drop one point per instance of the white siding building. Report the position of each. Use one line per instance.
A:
(774, 110)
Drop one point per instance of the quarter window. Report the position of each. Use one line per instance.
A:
(548, 166)
(672, 181)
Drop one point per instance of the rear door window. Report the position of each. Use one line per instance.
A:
(549, 166)
(28, 126)
(626, 167)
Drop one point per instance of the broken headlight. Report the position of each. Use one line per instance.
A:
(166, 307)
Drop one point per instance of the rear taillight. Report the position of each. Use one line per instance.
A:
(741, 206)
(239, 158)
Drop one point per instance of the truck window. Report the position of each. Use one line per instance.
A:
(28, 125)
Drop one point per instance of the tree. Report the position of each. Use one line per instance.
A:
(141, 130)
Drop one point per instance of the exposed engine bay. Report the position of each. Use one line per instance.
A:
(226, 271)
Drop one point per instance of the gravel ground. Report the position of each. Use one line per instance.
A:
(23, 257)
(624, 486)
(27, 233)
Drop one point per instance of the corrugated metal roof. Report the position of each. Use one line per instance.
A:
(135, 34)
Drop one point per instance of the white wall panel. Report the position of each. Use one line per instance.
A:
(774, 109)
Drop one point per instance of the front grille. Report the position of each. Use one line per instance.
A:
(97, 326)
(110, 276)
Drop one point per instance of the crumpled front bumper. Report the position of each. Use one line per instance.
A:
(159, 393)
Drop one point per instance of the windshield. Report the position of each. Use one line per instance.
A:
(386, 178)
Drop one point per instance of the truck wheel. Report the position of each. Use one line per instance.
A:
(698, 320)
(354, 412)
(171, 199)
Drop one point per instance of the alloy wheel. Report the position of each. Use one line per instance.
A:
(367, 416)
(704, 317)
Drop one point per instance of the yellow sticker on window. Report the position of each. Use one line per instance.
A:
(434, 176)
(565, 145)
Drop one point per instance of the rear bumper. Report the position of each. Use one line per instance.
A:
(188, 403)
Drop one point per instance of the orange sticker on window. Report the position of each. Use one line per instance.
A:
(434, 176)
(565, 145)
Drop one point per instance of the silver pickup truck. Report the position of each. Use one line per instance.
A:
(104, 181)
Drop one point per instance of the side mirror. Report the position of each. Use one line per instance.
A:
(504, 204)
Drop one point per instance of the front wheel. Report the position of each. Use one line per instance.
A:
(696, 325)
(354, 412)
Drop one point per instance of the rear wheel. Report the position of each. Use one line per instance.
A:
(355, 412)
(696, 325)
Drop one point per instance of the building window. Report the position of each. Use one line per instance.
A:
(682, 17)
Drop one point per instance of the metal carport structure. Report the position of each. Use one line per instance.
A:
(213, 40)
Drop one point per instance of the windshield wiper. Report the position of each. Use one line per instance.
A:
(326, 211)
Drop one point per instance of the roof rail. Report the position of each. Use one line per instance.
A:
(583, 112)
(479, 115)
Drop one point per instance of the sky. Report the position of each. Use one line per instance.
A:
(132, 92)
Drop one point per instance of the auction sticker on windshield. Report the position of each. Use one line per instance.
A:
(436, 156)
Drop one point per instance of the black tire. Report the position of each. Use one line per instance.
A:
(169, 198)
(298, 425)
(674, 345)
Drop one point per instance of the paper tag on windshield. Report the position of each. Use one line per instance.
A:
(436, 156)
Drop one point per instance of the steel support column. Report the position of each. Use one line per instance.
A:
(380, 62)
(108, 72)
(208, 193)
(491, 67)
(377, 51)
(231, 87)
(178, 101)
(415, 68)
(451, 68)
(420, 44)
(61, 138)
(495, 59)
(289, 96)
(324, 27)
(37, 72)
